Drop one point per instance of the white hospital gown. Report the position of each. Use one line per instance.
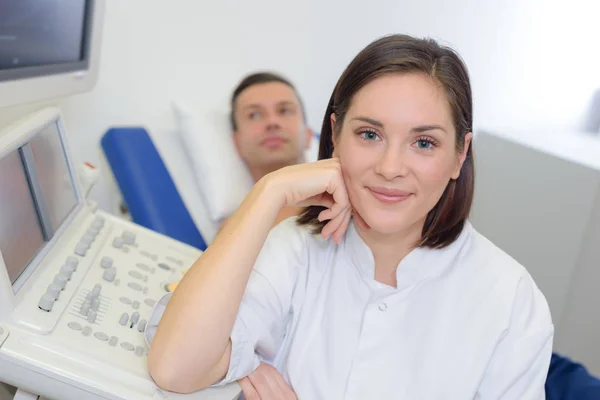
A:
(465, 322)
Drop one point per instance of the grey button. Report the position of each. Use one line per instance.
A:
(60, 281)
(72, 260)
(101, 336)
(145, 253)
(66, 271)
(46, 302)
(75, 326)
(109, 274)
(113, 341)
(135, 286)
(125, 300)
(93, 230)
(141, 326)
(135, 274)
(53, 290)
(85, 308)
(106, 262)
(81, 249)
(383, 307)
(124, 318)
(128, 237)
(117, 243)
(96, 290)
(136, 305)
(87, 240)
(134, 318)
(91, 316)
(149, 302)
(90, 296)
(87, 331)
(143, 267)
(140, 351)
(127, 346)
(164, 266)
(176, 261)
(96, 303)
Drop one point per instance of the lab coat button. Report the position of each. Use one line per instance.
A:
(382, 307)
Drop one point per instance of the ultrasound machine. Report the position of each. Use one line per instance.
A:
(77, 284)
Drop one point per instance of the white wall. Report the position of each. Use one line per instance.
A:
(534, 63)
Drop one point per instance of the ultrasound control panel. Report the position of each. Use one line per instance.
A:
(76, 296)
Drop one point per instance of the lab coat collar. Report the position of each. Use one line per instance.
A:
(418, 265)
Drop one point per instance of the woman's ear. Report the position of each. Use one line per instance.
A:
(463, 155)
(333, 135)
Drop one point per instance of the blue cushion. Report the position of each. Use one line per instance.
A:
(568, 380)
(147, 188)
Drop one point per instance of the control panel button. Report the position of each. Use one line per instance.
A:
(53, 290)
(81, 249)
(135, 286)
(164, 266)
(106, 262)
(140, 351)
(117, 243)
(60, 281)
(143, 267)
(124, 318)
(125, 300)
(85, 308)
(135, 274)
(136, 305)
(87, 240)
(128, 237)
(46, 302)
(75, 326)
(109, 274)
(93, 230)
(135, 317)
(87, 331)
(96, 290)
(113, 341)
(91, 316)
(96, 303)
(73, 261)
(141, 326)
(150, 302)
(101, 336)
(127, 346)
(66, 271)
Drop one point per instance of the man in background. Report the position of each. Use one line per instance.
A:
(268, 121)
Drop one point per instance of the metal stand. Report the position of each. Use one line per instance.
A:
(23, 395)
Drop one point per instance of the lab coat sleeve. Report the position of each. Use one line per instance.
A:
(263, 313)
(520, 362)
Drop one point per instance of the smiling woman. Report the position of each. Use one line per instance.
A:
(399, 296)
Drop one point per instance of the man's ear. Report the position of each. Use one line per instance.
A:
(463, 155)
(309, 136)
(236, 141)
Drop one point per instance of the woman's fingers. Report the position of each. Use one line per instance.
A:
(339, 232)
(248, 389)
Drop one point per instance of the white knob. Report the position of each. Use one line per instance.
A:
(60, 281)
(93, 231)
(66, 271)
(128, 237)
(53, 291)
(96, 290)
(81, 249)
(109, 274)
(87, 240)
(106, 262)
(73, 261)
(118, 242)
(91, 317)
(46, 302)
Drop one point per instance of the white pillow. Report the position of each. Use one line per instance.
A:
(222, 177)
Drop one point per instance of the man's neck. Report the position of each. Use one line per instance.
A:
(259, 171)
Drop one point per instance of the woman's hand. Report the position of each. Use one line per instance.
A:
(316, 184)
(265, 383)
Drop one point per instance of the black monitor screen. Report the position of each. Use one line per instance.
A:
(37, 33)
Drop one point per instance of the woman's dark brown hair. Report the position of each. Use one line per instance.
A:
(401, 54)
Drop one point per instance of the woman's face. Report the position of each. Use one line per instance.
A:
(397, 149)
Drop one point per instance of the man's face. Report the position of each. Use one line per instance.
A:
(271, 132)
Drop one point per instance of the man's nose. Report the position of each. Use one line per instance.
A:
(273, 123)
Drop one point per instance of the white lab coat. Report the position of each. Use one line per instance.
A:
(465, 322)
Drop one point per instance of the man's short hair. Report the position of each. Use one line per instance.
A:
(257, 79)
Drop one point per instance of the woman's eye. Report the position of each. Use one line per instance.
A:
(424, 144)
(369, 135)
